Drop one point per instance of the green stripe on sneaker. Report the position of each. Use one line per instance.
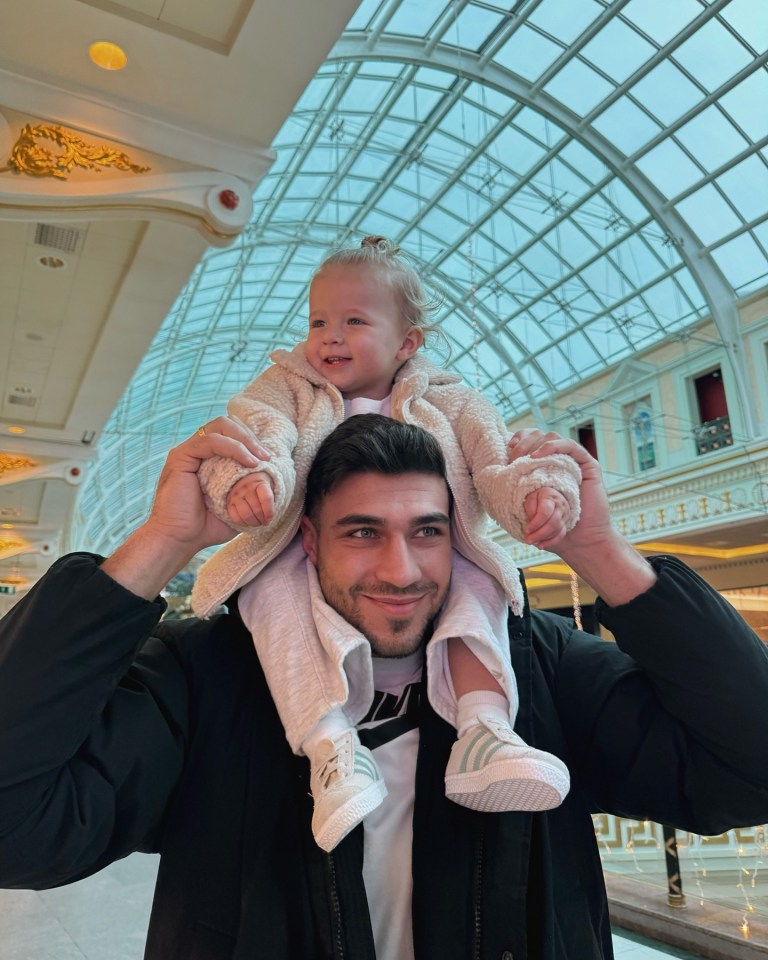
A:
(480, 751)
(364, 766)
(480, 756)
(470, 747)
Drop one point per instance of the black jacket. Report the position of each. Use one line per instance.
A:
(118, 734)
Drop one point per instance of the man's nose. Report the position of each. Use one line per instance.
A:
(398, 564)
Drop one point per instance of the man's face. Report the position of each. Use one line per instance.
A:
(382, 548)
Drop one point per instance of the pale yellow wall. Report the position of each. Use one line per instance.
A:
(602, 398)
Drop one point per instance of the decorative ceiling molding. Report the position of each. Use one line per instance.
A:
(13, 463)
(32, 157)
(97, 182)
(111, 121)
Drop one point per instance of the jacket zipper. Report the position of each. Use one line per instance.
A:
(477, 900)
(335, 906)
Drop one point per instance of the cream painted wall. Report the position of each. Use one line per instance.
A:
(718, 499)
(665, 374)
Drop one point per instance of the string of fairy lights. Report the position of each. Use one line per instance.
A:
(725, 870)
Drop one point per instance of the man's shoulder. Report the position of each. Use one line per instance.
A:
(550, 627)
(218, 646)
(222, 672)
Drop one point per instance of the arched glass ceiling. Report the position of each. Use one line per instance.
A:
(579, 180)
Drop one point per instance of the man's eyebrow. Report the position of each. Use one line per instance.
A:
(437, 517)
(359, 520)
(368, 520)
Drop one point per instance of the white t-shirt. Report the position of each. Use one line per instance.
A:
(388, 830)
(364, 405)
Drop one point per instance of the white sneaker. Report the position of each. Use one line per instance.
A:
(346, 786)
(492, 769)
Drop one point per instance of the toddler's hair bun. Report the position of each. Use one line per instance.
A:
(382, 244)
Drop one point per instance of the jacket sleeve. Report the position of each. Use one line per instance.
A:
(267, 407)
(93, 723)
(503, 486)
(669, 723)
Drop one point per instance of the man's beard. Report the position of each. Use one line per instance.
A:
(405, 635)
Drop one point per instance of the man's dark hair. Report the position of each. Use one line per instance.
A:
(370, 443)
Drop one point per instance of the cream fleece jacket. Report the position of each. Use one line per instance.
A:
(291, 408)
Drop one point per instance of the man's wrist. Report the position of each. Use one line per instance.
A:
(147, 561)
(613, 568)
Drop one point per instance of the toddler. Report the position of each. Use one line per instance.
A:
(368, 317)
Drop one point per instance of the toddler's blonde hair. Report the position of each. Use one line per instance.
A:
(382, 254)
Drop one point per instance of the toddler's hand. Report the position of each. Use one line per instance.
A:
(548, 512)
(251, 501)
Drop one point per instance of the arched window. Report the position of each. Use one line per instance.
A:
(641, 431)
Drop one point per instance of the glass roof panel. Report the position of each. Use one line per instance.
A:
(626, 125)
(748, 21)
(579, 87)
(528, 53)
(539, 126)
(556, 366)
(571, 242)
(415, 17)
(515, 149)
(589, 165)
(746, 103)
(618, 51)
(556, 259)
(743, 263)
(746, 187)
(666, 92)
(708, 213)
(712, 55)
(659, 19)
(362, 17)
(669, 168)
(472, 26)
(711, 138)
(563, 19)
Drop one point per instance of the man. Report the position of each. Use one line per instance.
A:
(118, 734)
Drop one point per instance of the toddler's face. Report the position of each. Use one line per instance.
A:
(357, 337)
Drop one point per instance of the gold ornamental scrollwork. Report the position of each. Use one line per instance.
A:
(9, 463)
(34, 158)
(10, 543)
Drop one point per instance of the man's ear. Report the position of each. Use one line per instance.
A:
(411, 343)
(309, 539)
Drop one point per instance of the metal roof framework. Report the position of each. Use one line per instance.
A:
(579, 182)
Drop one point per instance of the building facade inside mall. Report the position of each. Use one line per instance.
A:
(582, 183)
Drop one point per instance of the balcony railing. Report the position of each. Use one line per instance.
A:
(713, 435)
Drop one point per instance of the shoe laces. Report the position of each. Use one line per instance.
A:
(332, 768)
(500, 730)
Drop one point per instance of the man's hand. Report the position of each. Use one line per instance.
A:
(597, 552)
(594, 524)
(180, 524)
(251, 501)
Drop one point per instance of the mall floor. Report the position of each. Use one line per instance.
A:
(105, 918)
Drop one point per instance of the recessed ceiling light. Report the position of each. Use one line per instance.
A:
(107, 55)
(53, 263)
(17, 430)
